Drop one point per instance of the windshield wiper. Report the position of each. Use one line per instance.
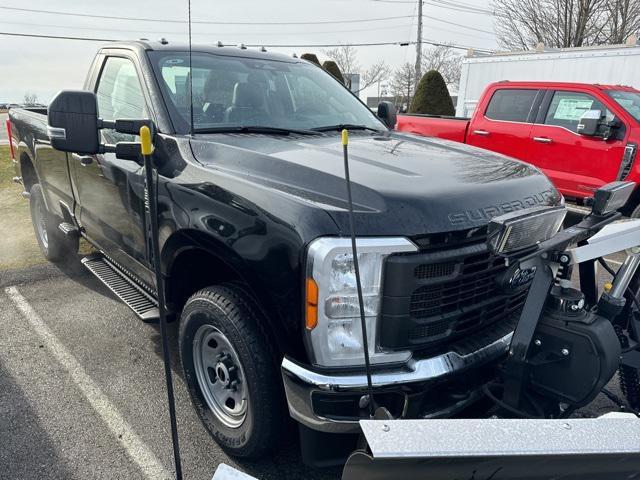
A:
(256, 129)
(347, 126)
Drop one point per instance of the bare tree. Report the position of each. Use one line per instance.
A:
(403, 84)
(445, 60)
(346, 57)
(622, 20)
(30, 98)
(374, 74)
(521, 24)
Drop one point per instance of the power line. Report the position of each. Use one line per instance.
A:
(460, 4)
(202, 22)
(463, 10)
(300, 45)
(175, 32)
(450, 5)
(460, 25)
(440, 4)
(34, 35)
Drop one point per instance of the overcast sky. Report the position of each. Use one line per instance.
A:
(45, 66)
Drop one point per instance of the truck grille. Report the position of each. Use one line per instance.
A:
(628, 158)
(429, 298)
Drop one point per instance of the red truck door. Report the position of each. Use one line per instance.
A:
(576, 164)
(503, 123)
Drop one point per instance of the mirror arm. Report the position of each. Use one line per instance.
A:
(129, 126)
(107, 149)
(108, 124)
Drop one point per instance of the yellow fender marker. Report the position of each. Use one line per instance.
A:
(345, 137)
(146, 146)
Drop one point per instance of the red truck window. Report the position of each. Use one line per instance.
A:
(567, 108)
(511, 104)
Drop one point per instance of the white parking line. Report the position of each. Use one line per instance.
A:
(139, 452)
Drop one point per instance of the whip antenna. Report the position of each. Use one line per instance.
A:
(146, 149)
(191, 129)
(356, 269)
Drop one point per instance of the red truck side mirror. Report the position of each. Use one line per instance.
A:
(73, 122)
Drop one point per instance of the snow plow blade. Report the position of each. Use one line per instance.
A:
(498, 449)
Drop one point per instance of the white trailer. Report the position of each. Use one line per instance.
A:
(612, 65)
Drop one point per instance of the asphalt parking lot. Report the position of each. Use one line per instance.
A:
(82, 389)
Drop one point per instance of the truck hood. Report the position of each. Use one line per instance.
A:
(402, 184)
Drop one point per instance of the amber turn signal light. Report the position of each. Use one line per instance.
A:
(312, 304)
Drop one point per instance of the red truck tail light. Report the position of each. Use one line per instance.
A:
(628, 158)
(11, 151)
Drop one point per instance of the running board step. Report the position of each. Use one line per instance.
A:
(69, 229)
(143, 304)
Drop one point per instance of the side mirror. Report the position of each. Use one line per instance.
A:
(73, 122)
(589, 123)
(387, 113)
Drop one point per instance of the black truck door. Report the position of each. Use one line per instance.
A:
(110, 190)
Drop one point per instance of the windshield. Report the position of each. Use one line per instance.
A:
(630, 101)
(238, 91)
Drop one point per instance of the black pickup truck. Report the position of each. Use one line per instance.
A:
(253, 229)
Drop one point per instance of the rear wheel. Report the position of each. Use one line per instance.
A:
(231, 372)
(53, 244)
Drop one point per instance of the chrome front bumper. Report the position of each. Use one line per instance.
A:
(302, 383)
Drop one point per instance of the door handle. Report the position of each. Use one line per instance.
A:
(542, 140)
(482, 133)
(85, 160)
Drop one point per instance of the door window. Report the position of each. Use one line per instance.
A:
(511, 104)
(119, 95)
(567, 108)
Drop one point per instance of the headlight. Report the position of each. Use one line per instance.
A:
(334, 333)
(525, 228)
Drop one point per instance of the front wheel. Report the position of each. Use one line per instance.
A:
(54, 244)
(230, 371)
(629, 376)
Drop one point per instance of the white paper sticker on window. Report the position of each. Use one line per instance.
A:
(572, 109)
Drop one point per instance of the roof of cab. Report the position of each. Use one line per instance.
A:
(232, 51)
(553, 85)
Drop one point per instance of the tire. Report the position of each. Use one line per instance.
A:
(629, 376)
(54, 245)
(220, 331)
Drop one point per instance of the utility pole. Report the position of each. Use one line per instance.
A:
(419, 45)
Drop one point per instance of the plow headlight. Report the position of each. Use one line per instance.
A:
(523, 229)
(611, 197)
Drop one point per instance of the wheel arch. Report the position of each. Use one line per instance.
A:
(28, 171)
(193, 260)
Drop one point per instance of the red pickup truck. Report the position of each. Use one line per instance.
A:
(542, 123)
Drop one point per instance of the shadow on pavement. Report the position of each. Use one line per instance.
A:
(70, 268)
(286, 464)
(26, 451)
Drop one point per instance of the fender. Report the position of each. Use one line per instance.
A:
(284, 323)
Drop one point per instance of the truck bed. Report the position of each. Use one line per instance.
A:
(450, 128)
(29, 122)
